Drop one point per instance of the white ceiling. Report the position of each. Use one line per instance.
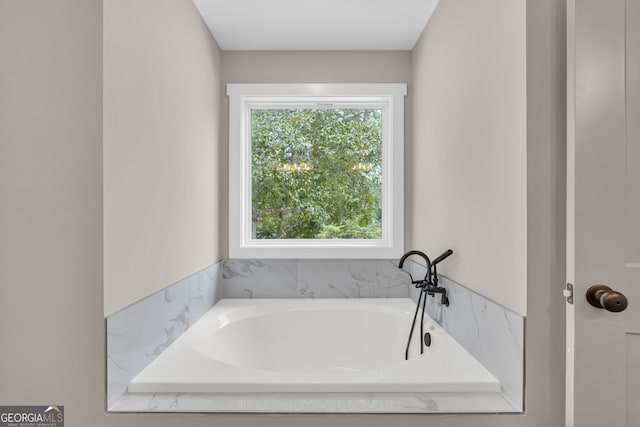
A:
(316, 24)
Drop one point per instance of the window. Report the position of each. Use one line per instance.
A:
(316, 170)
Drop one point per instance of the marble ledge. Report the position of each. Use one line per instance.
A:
(422, 403)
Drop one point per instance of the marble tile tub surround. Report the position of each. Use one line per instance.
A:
(493, 334)
(245, 278)
(138, 333)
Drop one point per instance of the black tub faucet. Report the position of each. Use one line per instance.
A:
(428, 286)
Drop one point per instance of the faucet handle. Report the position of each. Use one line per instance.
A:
(445, 299)
(418, 283)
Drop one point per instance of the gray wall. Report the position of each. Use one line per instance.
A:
(51, 321)
(546, 210)
(162, 138)
(51, 297)
(467, 161)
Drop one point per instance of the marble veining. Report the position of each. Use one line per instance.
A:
(336, 279)
(313, 279)
(391, 282)
(137, 334)
(259, 279)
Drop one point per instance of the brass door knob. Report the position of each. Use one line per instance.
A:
(601, 296)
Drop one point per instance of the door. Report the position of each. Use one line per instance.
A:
(603, 175)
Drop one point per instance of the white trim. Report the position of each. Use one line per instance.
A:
(389, 97)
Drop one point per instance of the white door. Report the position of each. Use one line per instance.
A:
(603, 174)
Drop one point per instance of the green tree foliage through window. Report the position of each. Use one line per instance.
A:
(316, 173)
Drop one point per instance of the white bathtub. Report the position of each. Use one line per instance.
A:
(312, 345)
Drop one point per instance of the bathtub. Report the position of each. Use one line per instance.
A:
(312, 345)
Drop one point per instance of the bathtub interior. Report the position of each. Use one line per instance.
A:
(251, 343)
(313, 346)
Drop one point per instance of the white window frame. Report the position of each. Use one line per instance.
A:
(390, 97)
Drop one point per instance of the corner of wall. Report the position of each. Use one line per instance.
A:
(162, 89)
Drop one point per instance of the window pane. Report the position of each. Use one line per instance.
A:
(316, 173)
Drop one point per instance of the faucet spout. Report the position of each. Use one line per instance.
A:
(427, 277)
